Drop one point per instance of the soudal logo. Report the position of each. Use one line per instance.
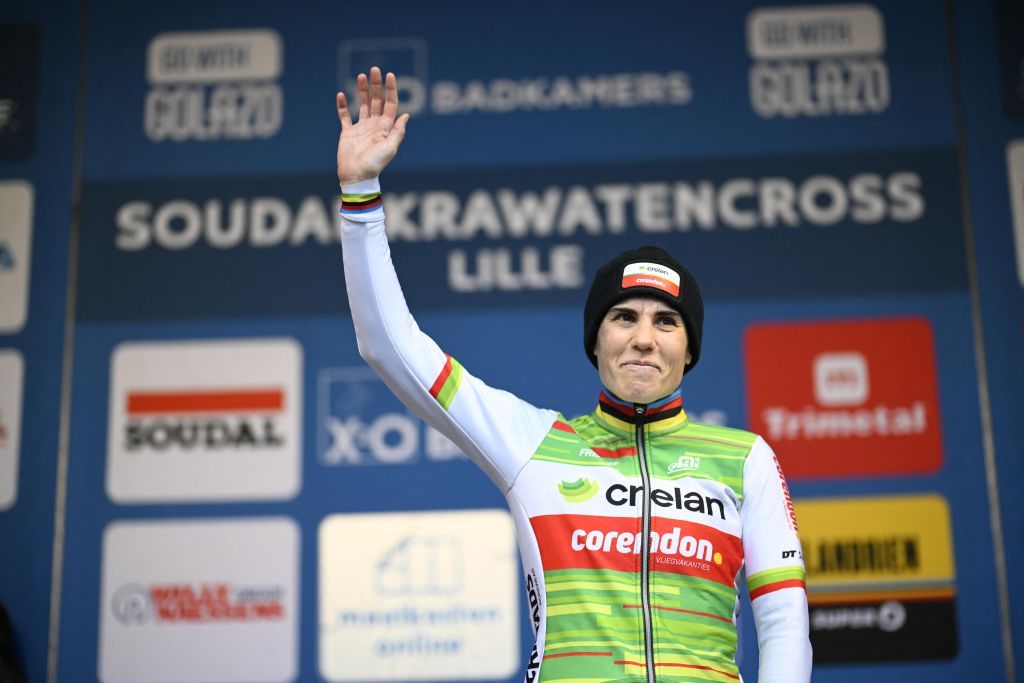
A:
(846, 398)
(197, 603)
(206, 419)
(673, 543)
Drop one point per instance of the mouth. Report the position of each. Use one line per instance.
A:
(639, 364)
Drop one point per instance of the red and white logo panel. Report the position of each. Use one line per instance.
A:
(200, 601)
(852, 398)
(210, 420)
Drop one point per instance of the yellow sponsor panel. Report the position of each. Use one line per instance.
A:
(878, 540)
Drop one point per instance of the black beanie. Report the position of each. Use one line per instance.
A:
(647, 271)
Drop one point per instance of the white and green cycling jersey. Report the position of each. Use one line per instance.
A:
(634, 523)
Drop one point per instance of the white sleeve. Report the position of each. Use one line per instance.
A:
(497, 430)
(775, 570)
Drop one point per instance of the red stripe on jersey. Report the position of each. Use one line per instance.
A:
(595, 542)
(438, 384)
(777, 586)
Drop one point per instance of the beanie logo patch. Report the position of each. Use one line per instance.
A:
(651, 275)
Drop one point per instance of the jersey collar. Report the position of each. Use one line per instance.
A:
(665, 414)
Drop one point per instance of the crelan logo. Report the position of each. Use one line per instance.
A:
(685, 463)
(578, 491)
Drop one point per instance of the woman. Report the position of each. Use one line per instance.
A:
(633, 522)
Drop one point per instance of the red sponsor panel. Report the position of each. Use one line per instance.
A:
(850, 398)
(596, 542)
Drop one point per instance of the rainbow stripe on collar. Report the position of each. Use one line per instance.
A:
(354, 204)
(662, 415)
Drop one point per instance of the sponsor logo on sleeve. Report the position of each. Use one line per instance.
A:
(846, 398)
(214, 85)
(194, 613)
(1015, 174)
(435, 592)
(209, 420)
(16, 207)
(418, 94)
(813, 61)
(361, 422)
(880, 578)
(12, 373)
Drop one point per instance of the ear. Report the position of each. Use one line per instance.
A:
(689, 358)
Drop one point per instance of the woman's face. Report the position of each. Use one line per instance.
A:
(641, 349)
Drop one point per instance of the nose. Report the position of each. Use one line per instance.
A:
(643, 335)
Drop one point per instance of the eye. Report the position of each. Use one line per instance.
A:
(668, 321)
(625, 316)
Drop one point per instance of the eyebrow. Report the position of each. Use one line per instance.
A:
(660, 311)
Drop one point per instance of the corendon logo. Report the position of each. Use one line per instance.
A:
(614, 543)
(195, 603)
(625, 543)
(846, 398)
(211, 419)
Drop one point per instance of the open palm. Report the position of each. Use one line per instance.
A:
(367, 146)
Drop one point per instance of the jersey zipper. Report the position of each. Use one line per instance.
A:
(640, 411)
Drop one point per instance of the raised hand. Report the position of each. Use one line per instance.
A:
(367, 146)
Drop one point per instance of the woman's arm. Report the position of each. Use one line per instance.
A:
(775, 570)
(494, 428)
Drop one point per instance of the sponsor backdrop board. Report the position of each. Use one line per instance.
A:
(38, 62)
(801, 159)
(993, 107)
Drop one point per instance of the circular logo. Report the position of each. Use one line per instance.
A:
(131, 604)
(891, 616)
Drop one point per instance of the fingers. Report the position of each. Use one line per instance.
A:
(343, 114)
(390, 101)
(364, 97)
(397, 133)
(376, 92)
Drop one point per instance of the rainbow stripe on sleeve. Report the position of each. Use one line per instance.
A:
(354, 204)
(771, 580)
(447, 383)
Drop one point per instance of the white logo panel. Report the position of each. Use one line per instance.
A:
(205, 421)
(815, 31)
(211, 601)
(428, 595)
(1015, 171)
(12, 373)
(841, 379)
(16, 198)
(214, 56)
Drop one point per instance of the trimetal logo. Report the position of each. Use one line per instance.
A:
(841, 379)
(671, 543)
(823, 60)
(841, 398)
(214, 85)
(205, 420)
